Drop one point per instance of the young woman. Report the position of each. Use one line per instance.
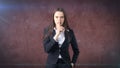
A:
(57, 38)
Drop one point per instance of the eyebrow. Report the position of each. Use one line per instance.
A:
(60, 16)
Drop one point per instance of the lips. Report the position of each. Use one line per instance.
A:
(60, 23)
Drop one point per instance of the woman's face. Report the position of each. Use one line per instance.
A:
(59, 18)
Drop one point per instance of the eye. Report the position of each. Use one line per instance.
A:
(62, 16)
(56, 16)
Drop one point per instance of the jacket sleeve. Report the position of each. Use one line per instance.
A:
(74, 47)
(49, 43)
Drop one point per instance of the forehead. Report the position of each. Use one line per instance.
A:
(59, 13)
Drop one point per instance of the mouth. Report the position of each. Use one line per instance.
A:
(60, 23)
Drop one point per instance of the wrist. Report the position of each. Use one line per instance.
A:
(55, 37)
(72, 64)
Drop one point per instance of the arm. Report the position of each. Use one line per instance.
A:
(49, 43)
(74, 47)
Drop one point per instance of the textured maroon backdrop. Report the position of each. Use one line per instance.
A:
(96, 24)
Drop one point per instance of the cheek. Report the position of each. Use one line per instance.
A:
(62, 20)
(54, 20)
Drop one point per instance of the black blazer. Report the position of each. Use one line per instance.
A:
(52, 47)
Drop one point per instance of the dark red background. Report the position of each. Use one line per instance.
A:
(96, 24)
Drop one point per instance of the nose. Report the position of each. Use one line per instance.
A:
(59, 19)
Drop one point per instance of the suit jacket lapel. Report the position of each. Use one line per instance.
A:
(66, 38)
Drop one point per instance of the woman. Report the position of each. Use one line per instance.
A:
(57, 38)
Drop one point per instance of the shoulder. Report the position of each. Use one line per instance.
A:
(46, 29)
(70, 30)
